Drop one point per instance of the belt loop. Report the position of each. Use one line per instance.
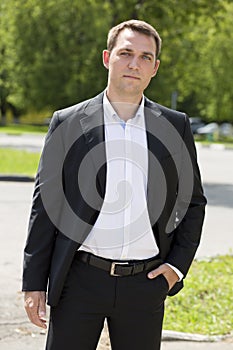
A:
(88, 258)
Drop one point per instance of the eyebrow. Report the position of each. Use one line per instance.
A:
(148, 53)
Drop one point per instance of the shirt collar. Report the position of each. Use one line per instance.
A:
(111, 115)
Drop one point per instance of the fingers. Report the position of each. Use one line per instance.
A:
(42, 307)
(168, 273)
(35, 308)
(154, 273)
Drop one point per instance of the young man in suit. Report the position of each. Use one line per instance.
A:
(117, 210)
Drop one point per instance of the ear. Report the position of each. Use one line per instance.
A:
(106, 55)
(156, 67)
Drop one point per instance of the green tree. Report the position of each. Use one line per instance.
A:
(57, 46)
(6, 84)
(50, 51)
(197, 56)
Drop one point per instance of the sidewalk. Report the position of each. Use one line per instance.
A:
(29, 337)
(29, 142)
(16, 333)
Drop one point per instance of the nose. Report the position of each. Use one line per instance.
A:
(133, 64)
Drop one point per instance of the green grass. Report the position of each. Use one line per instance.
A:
(18, 129)
(18, 162)
(228, 144)
(204, 306)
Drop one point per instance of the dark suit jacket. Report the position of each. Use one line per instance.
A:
(76, 136)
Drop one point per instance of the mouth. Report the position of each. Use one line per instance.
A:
(131, 77)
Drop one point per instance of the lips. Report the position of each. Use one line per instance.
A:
(131, 77)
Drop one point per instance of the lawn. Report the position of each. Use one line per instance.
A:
(18, 162)
(18, 129)
(204, 306)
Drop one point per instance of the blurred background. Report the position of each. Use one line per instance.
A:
(50, 57)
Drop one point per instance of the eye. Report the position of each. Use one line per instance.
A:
(125, 53)
(146, 58)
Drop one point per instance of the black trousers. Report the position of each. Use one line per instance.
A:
(133, 307)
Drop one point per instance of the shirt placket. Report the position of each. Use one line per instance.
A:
(128, 182)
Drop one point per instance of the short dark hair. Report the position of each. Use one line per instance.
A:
(137, 26)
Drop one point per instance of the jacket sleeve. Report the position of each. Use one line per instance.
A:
(191, 209)
(41, 231)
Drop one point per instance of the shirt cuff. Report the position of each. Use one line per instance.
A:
(179, 274)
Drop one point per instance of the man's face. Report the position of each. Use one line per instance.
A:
(131, 63)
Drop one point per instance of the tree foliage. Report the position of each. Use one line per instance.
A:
(50, 52)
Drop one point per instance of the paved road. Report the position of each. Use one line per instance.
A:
(26, 141)
(15, 198)
(217, 173)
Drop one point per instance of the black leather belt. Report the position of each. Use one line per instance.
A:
(119, 268)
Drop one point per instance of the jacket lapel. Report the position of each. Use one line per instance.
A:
(156, 186)
(92, 124)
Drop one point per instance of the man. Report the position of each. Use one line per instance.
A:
(118, 208)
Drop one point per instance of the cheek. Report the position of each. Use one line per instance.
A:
(115, 67)
(149, 74)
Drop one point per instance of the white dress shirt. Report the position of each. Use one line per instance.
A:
(122, 230)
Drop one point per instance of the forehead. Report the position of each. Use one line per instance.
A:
(134, 40)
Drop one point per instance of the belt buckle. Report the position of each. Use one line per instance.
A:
(113, 265)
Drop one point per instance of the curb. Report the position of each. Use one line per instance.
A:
(181, 336)
(17, 178)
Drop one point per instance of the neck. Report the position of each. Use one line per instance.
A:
(125, 106)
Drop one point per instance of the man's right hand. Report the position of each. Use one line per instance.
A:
(34, 303)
